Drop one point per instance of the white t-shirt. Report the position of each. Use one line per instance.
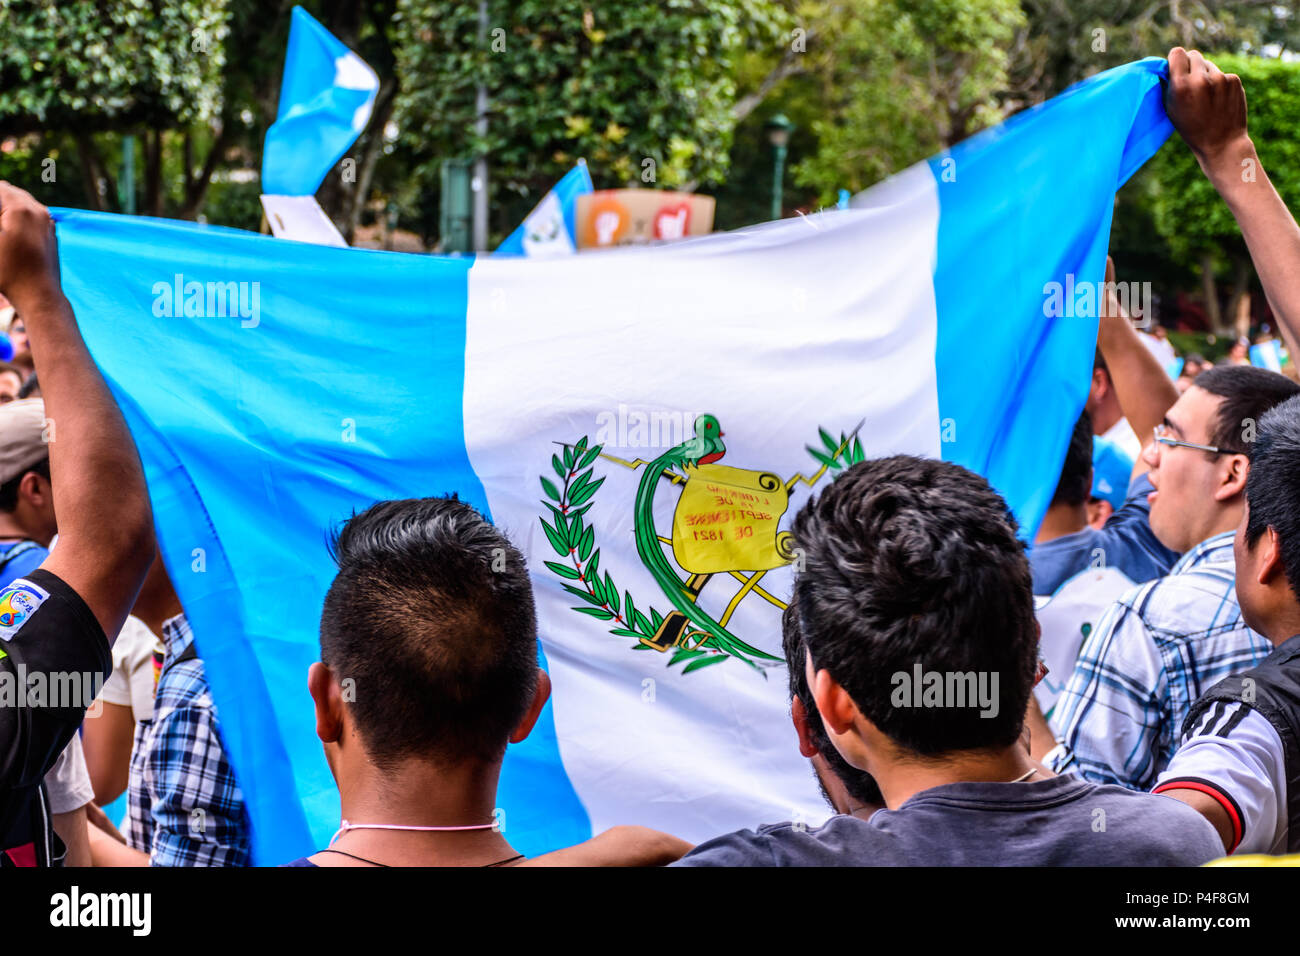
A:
(1122, 434)
(131, 684)
(68, 782)
(1236, 756)
(1162, 349)
(1065, 619)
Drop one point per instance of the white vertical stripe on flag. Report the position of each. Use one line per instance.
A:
(777, 331)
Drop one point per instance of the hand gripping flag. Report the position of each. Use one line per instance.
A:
(325, 101)
(643, 422)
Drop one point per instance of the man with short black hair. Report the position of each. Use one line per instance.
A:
(1144, 665)
(428, 670)
(917, 616)
(1239, 762)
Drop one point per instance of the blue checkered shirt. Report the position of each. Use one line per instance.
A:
(186, 809)
(1151, 656)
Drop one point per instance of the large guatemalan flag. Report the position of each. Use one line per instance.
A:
(273, 387)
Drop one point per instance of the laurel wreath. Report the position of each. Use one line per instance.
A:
(574, 541)
(838, 454)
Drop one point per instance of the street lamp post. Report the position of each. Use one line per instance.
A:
(778, 134)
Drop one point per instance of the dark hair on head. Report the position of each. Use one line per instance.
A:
(14, 369)
(1247, 393)
(1075, 484)
(1273, 485)
(9, 490)
(29, 386)
(912, 562)
(431, 615)
(860, 784)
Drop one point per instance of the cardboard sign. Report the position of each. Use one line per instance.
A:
(622, 217)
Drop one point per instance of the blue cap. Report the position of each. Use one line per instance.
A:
(1111, 469)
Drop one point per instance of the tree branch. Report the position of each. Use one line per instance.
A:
(93, 172)
(197, 188)
(385, 101)
(789, 65)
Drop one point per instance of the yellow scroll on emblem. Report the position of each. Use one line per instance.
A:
(726, 520)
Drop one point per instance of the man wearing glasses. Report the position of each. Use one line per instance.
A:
(1162, 644)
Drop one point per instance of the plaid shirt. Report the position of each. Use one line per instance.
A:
(186, 809)
(1151, 656)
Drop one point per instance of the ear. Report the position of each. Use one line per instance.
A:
(1233, 481)
(328, 697)
(799, 717)
(34, 487)
(1270, 565)
(540, 697)
(1040, 669)
(833, 703)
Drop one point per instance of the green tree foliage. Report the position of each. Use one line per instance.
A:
(196, 83)
(1193, 221)
(80, 74)
(109, 65)
(616, 83)
(872, 86)
(1064, 41)
(899, 80)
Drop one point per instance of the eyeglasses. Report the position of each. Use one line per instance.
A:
(1162, 435)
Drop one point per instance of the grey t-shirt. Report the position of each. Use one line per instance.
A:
(1062, 821)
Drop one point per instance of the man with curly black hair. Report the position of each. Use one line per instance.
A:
(917, 616)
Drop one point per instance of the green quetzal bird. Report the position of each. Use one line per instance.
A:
(705, 448)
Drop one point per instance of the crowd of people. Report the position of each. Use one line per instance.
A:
(1173, 739)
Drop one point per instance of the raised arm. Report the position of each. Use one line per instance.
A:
(1144, 390)
(1208, 107)
(100, 499)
